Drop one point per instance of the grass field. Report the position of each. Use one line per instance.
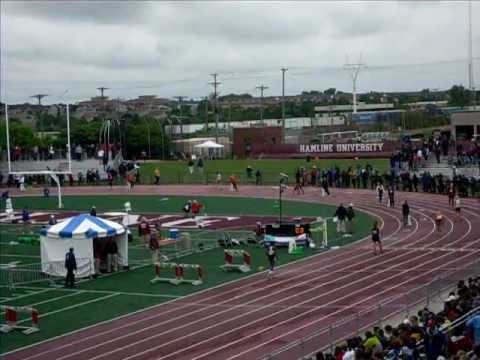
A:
(63, 310)
(177, 171)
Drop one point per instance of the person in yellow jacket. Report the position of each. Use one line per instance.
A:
(156, 172)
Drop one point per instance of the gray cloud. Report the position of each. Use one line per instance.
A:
(101, 12)
(170, 48)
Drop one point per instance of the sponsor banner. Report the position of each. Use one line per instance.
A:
(340, 148)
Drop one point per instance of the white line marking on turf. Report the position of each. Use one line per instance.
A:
(22, 256)
(56, 298)
(74, 306)
(30, 294)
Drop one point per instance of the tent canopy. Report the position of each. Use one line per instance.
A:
(83, 227)
(78, 232)
(209, 144)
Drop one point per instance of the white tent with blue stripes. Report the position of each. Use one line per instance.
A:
(79, 233)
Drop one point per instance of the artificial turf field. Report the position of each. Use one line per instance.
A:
(64, 310)
(177, 172)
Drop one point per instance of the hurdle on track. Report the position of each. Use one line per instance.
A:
(230, 265)
(12, 321)
(181, 271)
(179, 274)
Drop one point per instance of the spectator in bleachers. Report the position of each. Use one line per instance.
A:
(473, 324)
(372, 344)
(476, 353)
(435, 341)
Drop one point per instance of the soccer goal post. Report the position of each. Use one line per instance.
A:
(40, 167)
(319, 232)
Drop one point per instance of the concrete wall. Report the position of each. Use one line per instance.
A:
(466, 118)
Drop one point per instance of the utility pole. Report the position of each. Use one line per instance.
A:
(471, 84)
(180, 99)
(229, 114)
(354, 70)
(39, 97)
(206, 113)
(262, 88)
(102, 90)
(102, 97)
(215, 84)
(283, 97)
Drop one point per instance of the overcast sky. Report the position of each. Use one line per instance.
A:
(170, 48)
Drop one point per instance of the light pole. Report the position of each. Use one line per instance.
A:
(162, 128)
(283, 97)
(148, 139)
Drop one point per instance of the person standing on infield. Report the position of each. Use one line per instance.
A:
(70, 265)
(341, 215)
(377, 243)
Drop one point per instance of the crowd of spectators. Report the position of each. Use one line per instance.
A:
(412, 155)
(51, 152)
(368, 177)
(452, 333)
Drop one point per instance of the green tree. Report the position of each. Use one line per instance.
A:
(20, 135)
(140, 132)
(458, 96)
(83, 132)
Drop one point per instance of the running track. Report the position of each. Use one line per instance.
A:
(254, 316)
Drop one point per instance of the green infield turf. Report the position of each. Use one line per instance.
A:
(177, 171)
(112, 295)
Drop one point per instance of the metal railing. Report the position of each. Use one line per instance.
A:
(189, 243)
(50, 272)
(355, 320)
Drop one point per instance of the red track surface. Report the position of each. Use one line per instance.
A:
(256, 315)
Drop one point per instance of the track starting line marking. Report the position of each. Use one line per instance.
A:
(97, 292)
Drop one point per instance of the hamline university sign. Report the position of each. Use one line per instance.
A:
(349, 148)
